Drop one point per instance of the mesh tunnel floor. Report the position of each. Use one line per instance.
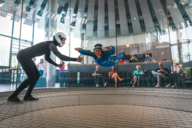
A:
(109, 107)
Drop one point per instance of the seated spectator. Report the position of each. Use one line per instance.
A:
(135, 75)
(160, 72)
(177, 69)
(98, 75)
(114, 75)
(62, 69)
(41, 67)
(148, 58)
(133, 59)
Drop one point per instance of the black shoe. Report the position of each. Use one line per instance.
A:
(14, 99)
(30, 98)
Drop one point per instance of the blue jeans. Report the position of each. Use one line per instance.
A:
(96, 79)
(156, 74)
(41, 73)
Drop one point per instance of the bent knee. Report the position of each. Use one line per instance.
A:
(35, 78)
(32, 79)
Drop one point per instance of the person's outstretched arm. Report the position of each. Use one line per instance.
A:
(111, 51)
(85, 52)
(48, 59)
(62, 57)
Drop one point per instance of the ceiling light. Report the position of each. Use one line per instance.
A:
(127, 45)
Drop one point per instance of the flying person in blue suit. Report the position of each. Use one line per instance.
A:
(102, 58)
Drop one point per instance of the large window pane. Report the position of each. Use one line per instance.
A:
(6, 25)
(4, 50)
(26, 32)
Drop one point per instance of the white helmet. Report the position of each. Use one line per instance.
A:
(58, 37)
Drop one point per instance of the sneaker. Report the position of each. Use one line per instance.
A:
(157, 86)
(14, 99)
(105, 84)
(97, 85)
(168, 86)
(133, 86)
(131, 82)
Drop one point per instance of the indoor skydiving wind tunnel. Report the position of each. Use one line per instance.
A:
(155, 36)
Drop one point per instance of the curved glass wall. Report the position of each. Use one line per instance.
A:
(152, 33)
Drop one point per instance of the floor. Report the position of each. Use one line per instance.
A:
(99, 108)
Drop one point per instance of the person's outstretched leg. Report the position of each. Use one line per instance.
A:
(27, 66)
(117, 58)
(28, 95)
(120, 55)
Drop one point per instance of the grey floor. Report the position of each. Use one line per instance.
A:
(100, 107)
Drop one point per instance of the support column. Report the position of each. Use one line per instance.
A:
(52, 30)
(44, 22)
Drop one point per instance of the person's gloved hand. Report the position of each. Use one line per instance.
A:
(79, 59)
(59, 65)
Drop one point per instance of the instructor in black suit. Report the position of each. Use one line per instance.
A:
(25, 59)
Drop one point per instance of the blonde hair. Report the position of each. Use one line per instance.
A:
(138, 66)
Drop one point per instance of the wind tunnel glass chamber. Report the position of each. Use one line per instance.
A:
(159, 29)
